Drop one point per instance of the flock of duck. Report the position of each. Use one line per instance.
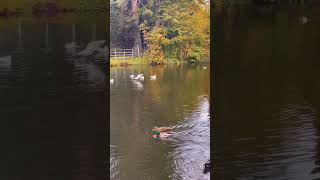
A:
(139, 77)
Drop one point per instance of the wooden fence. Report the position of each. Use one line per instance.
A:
(121, 54)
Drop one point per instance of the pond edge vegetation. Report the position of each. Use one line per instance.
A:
(167, 31)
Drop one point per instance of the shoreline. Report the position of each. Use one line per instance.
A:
(141, 61)
(129, 63)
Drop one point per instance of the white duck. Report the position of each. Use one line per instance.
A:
(111, 81)
(5, 61)
(139, 77)
(132, 76)
(303, 20)
(154, 77)
(138, 85)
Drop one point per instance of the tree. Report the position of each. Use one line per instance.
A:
(167, 29)
(185, 25)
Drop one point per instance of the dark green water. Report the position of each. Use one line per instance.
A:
(179, 96)
(52, 106)
(267, 100)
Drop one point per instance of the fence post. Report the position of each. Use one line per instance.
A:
(122, 54)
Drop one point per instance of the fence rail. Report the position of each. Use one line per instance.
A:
(121, 54)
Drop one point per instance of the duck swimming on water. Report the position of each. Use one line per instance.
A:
(139, 77)
(161, 132)
(206, 167)
(154, 77)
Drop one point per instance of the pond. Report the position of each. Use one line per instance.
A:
(267, 101)
(53, 105)
(178, 97)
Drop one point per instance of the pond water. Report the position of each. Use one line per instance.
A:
(267, 100)
(178, 97)
(53, 106)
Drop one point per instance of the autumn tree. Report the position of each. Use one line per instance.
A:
(185, 29)
(167, 29)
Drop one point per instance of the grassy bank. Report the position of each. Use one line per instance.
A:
(128, 62)
(139, 61)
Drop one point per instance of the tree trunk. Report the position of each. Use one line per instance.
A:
(134, 5)
(158, 4)
(137, 33)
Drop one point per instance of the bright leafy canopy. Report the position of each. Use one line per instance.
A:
(168, 29)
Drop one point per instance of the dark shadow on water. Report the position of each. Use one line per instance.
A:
(267, 106)
(52, 109)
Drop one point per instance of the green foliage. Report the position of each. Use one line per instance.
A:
(147, 13)
(186, 26)
(172, 29)
(155, 41)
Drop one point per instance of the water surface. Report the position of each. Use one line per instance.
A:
(179, 96)
(267, 101)
(53, 106)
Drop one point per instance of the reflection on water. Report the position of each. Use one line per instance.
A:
(53, 106)
(267, 106)
(179, 97)
(192, 145)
